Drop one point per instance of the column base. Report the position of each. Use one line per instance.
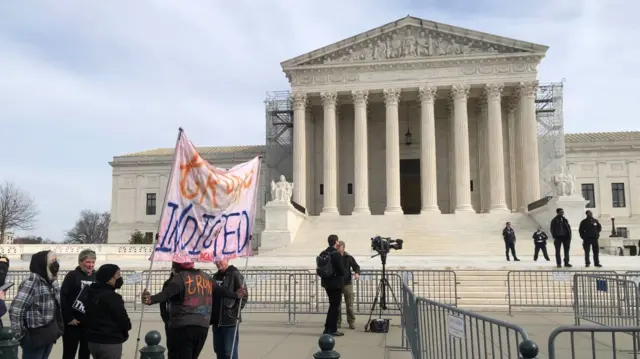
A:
(430, 210)
(499, 209)
(393, 211)
(330, 211)
(464, 209)
(363, 211)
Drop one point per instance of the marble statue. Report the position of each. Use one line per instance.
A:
(565, 182)
(282, 190)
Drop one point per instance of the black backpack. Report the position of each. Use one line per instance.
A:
(324, 267)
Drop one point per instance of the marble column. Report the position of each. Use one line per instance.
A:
(360, 151)
(299, 101)
(330, 158)
(428, 178)
(391, 100)
(529, 134)
(512, 105)
(495, 147)
(483, 184)
(460, 94)
(451, 148)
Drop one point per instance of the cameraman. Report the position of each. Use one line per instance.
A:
(349, 263)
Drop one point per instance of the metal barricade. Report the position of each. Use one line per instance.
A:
(595, 342)
(450, 332)
(606, 300)
(410, 322)
(543, 290)
(438, 285)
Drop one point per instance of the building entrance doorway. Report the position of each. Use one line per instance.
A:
(410, 197)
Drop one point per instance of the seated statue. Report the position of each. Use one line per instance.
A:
(282, 190)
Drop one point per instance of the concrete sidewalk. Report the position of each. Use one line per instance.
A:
(267, 336)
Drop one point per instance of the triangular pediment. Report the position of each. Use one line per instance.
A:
(413, 38)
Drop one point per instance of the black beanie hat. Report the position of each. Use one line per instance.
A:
(106, 272)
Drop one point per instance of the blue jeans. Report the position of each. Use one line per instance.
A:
(29, 352)
(223, 341)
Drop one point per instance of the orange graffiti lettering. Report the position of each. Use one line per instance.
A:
(211, 184)
(185, 169)
(202, 286)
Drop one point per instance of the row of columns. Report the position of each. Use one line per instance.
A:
(526, 149)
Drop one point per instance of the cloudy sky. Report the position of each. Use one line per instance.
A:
(82, 81)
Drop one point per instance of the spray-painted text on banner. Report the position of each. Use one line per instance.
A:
(209, 212)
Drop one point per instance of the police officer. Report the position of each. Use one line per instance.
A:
(540, 243)
(190, 294)
(561, 233)
(590, 229)
(509, 236)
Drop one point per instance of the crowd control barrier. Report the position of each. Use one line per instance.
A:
(543, 290)
(606, 300)
(594, 342)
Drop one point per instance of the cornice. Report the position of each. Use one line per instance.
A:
(608, 148)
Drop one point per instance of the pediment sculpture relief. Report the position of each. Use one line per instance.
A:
(411, 42)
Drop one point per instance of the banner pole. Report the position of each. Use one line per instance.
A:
(246, 262)
(164, 204)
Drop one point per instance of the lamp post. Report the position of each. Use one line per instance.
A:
(613, 228)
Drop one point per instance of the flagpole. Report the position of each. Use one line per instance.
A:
(246, 263)
(153, 247)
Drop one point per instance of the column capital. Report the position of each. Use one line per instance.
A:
(329, 98)
(527, 89)
(391, 96)
(460, 92)
(299, 100)
(493, 91)
(427, 93)
(360, 97)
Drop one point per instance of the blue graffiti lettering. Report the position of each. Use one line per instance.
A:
(226, 233)
(174, 233)
(195, 250)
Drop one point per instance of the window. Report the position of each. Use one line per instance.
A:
(589, 193)
(471, 185)
(321, 189)
(151, 204)
(148, 237)
(349, 188)
(617, 195)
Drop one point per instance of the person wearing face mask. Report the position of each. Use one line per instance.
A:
(4, 269)
(35, 312)
(107, 323)
(72, 294)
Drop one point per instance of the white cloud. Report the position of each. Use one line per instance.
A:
(83, 81)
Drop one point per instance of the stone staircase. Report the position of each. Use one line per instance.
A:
(433, 235)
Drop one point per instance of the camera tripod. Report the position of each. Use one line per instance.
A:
(381, 295)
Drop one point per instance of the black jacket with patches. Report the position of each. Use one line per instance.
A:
(590, 229)
(226, 310)
(72, 285)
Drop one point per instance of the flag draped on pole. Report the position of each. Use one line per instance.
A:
(209, 212)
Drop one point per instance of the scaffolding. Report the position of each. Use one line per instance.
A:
(279, 116)
(551, 150)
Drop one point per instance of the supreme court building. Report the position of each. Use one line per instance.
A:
(466, 99)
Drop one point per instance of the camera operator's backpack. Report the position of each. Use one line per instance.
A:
(324, 267)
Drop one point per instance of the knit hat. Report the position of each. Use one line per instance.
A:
(179, 266)
(106, 272)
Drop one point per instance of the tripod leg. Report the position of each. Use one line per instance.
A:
(393, 295)
(373, 306)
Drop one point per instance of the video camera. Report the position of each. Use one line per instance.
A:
(385, 244)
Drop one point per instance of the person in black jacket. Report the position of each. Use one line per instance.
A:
(333, 285)
(106, 321)
(190, 294)
(72, 293)
(590, 229)
(4, 270)
(349, 263)
(540, 243)
(561, 233)
(164, 306)
(226, 313)
(509, 236)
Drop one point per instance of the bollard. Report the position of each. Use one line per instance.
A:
(326, 344)
(153, 350)
(8, 344)
(528, 349)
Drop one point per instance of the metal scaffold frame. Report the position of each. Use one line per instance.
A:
(551, 150)
(279, 117)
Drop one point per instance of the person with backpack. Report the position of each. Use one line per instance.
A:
(330, 269)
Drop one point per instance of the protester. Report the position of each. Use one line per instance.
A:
(4, 270)
(35, 312)
(190, 295)
(590, 229)
(349, 263)
(561, 233)
(226, 313)
(107, 322)
(331, 271)
(72, 294)
(164, 306)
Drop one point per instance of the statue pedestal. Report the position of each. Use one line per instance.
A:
(574, 208)
(282, 222)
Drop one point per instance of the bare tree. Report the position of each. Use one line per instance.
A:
(138, 238)
(17, 209)
(32, 240)
(91, 228)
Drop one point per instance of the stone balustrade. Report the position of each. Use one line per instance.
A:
(105, 252)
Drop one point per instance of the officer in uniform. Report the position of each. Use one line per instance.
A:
(590, 229)
(540, 243)
(190, 294)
